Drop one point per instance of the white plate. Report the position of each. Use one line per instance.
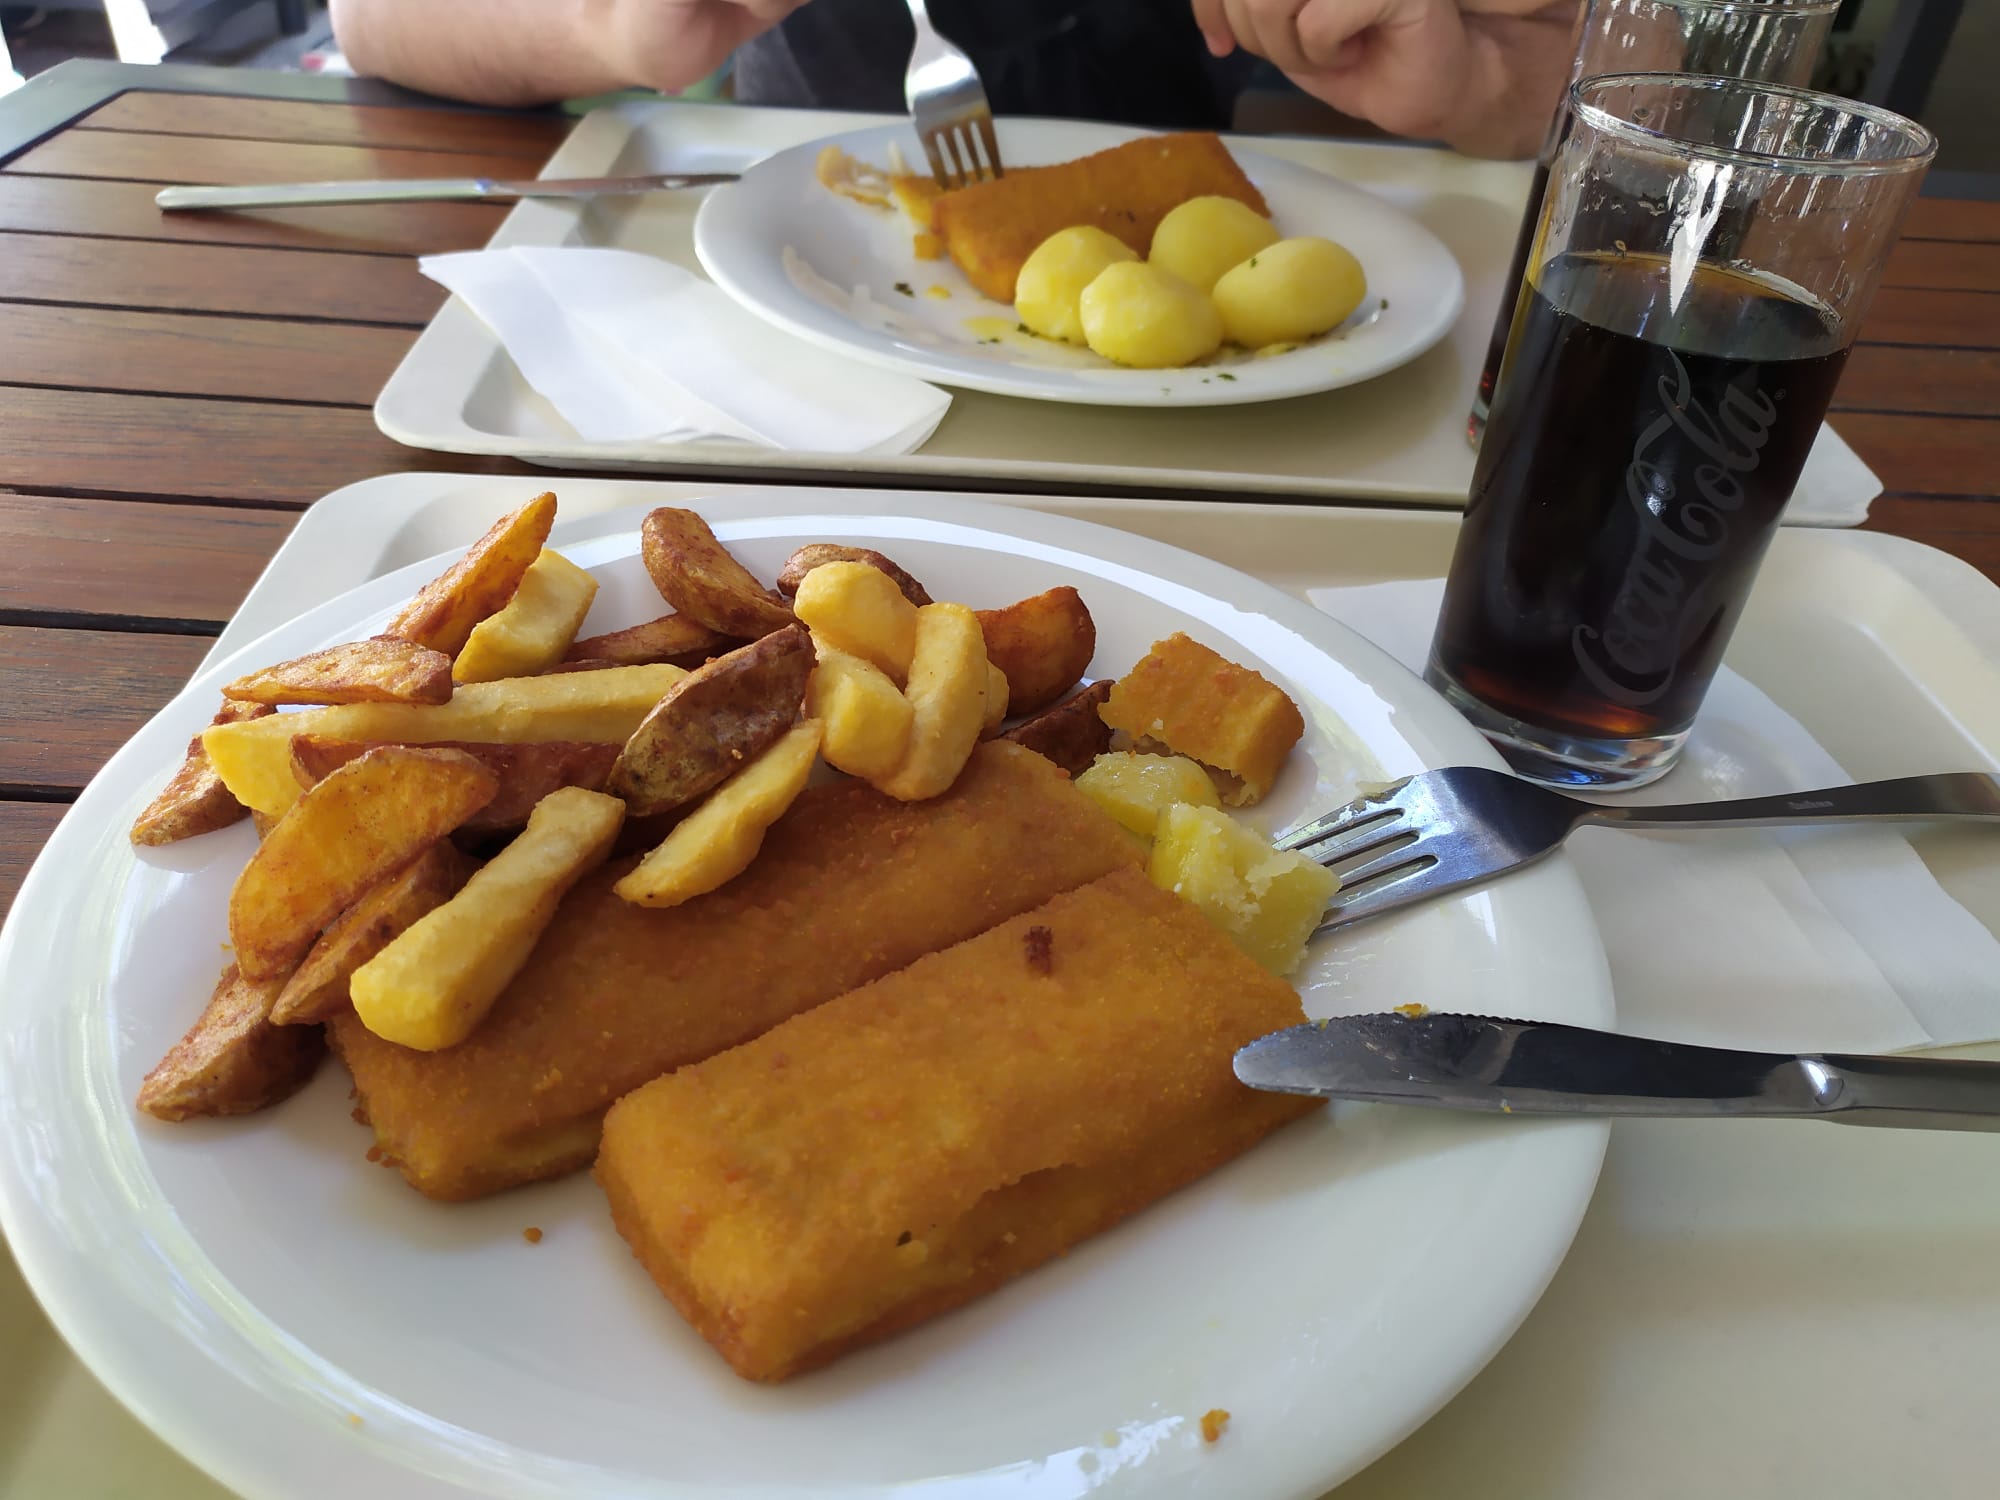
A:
(300, 1324)
(828, 269)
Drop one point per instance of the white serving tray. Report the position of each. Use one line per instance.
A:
(1750, 1308)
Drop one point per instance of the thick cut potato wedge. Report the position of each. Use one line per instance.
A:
(718, 840)
(1072, 733)
(233, 1059)
(1043, 644)
(195, 801)
(714, 721)
(947, 693)
(369, 818)
(858, 609)
(433, 984)
(865, 716)
(697, 576)
(535, 627)
(318, 987)
(527, 773)
(254, 759)
(814, 554)
(445, 609)
(671, 638)
(384, 670)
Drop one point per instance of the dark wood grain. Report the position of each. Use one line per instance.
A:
(74, 696)
(533, 136)
(1967, 529)
(24, 828)
(1928, 455)
(1946, 320)
(1894, 377)
(1944, 265)
(215, 278)
(125, 210)
(207, 158)
(1952, 219)
(131, 559)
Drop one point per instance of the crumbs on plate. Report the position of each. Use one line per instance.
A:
(1212, 1423)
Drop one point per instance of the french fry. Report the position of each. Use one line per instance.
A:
(370, 817)
(858, 609)
(534, 628)
(697, 576)
(865, 716)
(718, 840)
(445, 609)
(432, 985)
(671, 638)
(195, 801)
(318, 987)
(997, 694)
(527, 773)
(384, 670)
(947, 693)
(1044, 644)
(233, 1059)
(1071, 733)
(814, 554)
(713, 721)
(254, 759)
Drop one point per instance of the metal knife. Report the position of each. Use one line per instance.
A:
(1540, 1068)
(426, 189)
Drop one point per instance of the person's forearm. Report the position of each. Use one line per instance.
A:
(506, 52)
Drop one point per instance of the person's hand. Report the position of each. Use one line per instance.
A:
(673, 44)
(1481, 75)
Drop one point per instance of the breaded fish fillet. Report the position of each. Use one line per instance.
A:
(849, 886)
(990, 228)
(915, 1143)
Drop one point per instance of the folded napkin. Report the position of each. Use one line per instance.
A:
(1835, 487)
(1817, 939)
(629, 348)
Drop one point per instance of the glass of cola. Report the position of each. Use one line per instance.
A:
(1706, 251)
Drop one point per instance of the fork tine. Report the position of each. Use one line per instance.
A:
(1348, 837)
(1385, 895)
(1375, 842)
(991, 141)
(940, 167)
(1343, 820)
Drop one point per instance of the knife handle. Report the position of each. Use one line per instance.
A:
(1910, 1093)
(299, 194)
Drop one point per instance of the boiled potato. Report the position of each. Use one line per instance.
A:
(1136, 789)
(1205, 236)
(1268, 900)
(1052, 279)
(1140, 315)
(1292, 290)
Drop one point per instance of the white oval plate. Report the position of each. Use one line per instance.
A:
(827, 269)
(301, 1324)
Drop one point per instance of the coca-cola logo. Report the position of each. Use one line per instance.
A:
(1633, 658)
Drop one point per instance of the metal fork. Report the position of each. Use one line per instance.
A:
(1444, 830)
(948, 106)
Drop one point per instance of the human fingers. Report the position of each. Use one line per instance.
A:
(1213, 22)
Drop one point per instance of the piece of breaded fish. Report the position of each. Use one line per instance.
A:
(990, 228)
(849, 886)
(915, 1143)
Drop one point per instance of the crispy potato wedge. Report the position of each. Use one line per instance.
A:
(254, 759)
(527, 773)
(318, 987)
(1044, 644)
(998, 694)
(718, 840)
(1071, 733)
(865, 717)
(697, 576)
(947, 693)
(445, 609)
(534, 628)
(233, 1059)
(367, 819)
(713, 721)
(813, 554)
(384, 670)
(429, 987)
(858, 609)
(195, 801)
(672, 638)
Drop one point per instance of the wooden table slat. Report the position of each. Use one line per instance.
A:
(1928, 455)
(207, 158)
(312, 123)
(125, 210)
(24, 828)
(1890, 377)
(1953, 219)
(74, 696)
(1944, 265)
(133, 559)
(1967, 529)
(1949, 320)
(175, 355)
(214, 279)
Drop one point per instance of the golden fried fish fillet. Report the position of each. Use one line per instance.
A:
(849, 886)
(915, 1143)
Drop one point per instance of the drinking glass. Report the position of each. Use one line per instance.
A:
(1773, 41)
(1706, 250)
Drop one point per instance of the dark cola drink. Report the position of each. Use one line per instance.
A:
(1510, 296)
(1649, 430)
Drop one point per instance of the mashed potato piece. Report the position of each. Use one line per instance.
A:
(1268, 900)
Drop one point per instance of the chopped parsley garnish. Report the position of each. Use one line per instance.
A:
(1224, 375)
(904, 288)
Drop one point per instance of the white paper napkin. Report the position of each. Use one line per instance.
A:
(630, 348)
(1822, 939)
(1835, 487)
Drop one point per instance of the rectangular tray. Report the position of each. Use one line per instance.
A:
(1399, 438)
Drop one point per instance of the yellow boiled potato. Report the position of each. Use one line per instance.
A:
(1204, 237)
(1291, 290)
(1052, 279)
(1141, 316)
